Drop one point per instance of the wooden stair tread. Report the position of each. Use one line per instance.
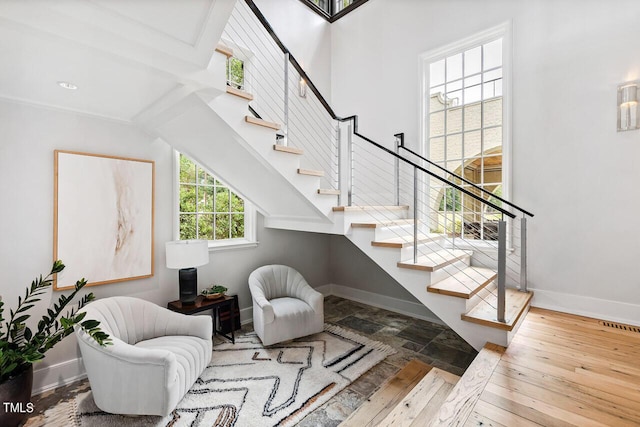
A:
(260, 122)
(381, 224)
(287, 149)
(225, 50)
(384, 400)
(405, 241)
(328, 192)
(369, 208)
(435, 260)
(465, 283)
(485, 313)
(423, 401)
(461, 400)
(310, 172)
(239, 93)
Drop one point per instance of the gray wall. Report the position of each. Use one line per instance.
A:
(29, 137)
(352, 268)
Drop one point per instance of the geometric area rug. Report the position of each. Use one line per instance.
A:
(249, 385)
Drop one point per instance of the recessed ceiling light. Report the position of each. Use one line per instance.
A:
(67, 85)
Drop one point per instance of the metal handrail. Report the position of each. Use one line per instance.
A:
(466, 181)
(354, 118)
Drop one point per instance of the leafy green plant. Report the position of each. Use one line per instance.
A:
(20, 346)
(215, 289)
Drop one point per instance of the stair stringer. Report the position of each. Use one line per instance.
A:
(192, 127)
(447, 308)
(232, 111)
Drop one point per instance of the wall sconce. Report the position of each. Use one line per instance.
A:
(302, 88)
(628, 118)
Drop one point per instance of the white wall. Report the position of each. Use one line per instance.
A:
(306, 34)
(29, 137)
(570, 167)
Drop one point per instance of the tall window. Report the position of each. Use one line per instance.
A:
(464, 119)
(207, 208)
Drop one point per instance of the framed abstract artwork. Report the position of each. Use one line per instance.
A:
(103, 218)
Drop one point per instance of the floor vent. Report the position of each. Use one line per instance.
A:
(620, 326)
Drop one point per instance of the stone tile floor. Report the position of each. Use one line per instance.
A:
(412, 338)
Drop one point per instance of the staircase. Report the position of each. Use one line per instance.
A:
(293, 184)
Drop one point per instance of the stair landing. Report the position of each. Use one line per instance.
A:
(485, 312)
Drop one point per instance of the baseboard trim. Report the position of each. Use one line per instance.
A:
(246, 315)
(408, 308)
(50, 377)
(596, 308)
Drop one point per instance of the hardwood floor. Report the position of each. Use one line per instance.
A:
(563, 370)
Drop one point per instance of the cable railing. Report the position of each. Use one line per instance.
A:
(274, 81)
(484, 228)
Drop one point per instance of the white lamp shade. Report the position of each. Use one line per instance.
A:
(187, 253)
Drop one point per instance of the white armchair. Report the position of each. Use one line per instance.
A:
(284, 305)
(155, 358)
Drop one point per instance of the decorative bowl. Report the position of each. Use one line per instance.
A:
(214, 292)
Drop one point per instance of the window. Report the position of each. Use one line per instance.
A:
(333, 10)
(208, 209)
(235, 72)
(465, 132)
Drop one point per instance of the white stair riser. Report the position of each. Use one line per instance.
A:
(367, 216)
(450, 270)
(423, 249)
(482, 294)
(390, 232)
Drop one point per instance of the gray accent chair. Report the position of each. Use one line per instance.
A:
(155, 358)
(284, 305)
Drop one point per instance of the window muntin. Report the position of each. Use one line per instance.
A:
(208, 209)
(465, 132)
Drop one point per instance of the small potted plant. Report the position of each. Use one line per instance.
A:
(21, 346)
(214, 292)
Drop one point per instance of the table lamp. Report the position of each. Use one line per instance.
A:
(186, 255)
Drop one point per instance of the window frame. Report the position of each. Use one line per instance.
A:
(332, 15)
(250, 216)
(503, 31)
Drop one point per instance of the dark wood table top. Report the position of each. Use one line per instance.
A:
(201, 304)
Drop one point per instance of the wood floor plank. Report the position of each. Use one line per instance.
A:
(533, 409)
(578, 323)
(622, 368)
(383, 401)
(459, 405)
(591, 397)
(414, 408)
(560, 370)
(429, 411)
(559, 400)
(563, 370)
(581, 339)
(551, 368)
(486, 414)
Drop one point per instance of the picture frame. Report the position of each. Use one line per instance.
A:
(103, 218)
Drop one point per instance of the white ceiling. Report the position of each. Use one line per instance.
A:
(123, 55)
